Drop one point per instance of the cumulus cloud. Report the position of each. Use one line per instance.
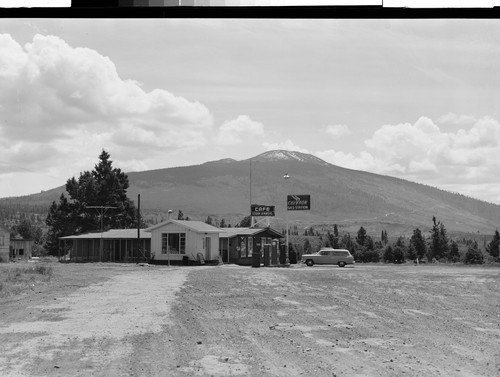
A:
(287, 145)
(233, 131)
(61, 102)
(452, 118)
(422, 152)
(338, 130)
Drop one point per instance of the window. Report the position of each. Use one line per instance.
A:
(176, 243)
(341, 253)
(250, 246)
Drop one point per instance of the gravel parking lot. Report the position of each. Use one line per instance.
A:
(368, 320)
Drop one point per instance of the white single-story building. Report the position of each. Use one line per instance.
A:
(174, 240)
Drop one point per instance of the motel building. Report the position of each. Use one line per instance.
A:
(183, 241)
(172, 241)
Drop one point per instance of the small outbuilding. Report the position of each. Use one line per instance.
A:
(114, 245)
(183, 241)
(20, 248)
(237, 245)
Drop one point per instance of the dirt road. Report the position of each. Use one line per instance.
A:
(369, 320)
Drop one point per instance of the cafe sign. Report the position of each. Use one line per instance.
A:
(261, 210)
(298, 202)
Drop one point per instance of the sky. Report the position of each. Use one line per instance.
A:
(414, 99)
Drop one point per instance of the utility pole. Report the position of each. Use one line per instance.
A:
(101, 210)
(139, 227)
(287, 177)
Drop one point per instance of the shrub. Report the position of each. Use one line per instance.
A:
(388, 255)
(398, 254)
(473, 256)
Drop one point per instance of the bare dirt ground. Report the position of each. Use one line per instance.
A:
(367, 320)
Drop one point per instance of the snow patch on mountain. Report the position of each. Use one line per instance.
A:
(283, 155)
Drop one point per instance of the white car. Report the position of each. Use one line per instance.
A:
(327, 255)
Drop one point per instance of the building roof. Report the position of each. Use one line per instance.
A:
(110, 234)
(197, 226)
(233, 232)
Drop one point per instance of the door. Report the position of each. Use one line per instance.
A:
(325, 257)
(208, 248)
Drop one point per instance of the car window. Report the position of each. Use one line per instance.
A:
(324, 252)
(340, 253)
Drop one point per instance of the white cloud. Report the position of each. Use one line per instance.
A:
(338, 130)
(364, 161)
(233, 131)
(452, 118)
(61, 105)
(287, 145)
(422, 152)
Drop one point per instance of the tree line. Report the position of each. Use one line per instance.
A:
(436, 247)
(98, 200)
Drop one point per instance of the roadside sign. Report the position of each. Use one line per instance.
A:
(261, 210)
(298, 202)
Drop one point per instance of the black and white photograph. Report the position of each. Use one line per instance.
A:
(249, 196)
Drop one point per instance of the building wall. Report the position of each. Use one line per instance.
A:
(21, 248)
(4, 245)
(194, 243)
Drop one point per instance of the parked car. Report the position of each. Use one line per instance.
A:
(327, 255)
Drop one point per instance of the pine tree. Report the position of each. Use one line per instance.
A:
(104, 186)
(454, 255)
(361, 237)
(383, 237)
(417, 241)
(493, 247)
(439, 241)
(180, 215)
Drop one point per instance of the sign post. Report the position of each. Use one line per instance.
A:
(257, 210)
(298, 202)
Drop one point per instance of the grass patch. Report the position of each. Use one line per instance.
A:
(17, 279)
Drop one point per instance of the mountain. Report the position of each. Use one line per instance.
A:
(345, 197)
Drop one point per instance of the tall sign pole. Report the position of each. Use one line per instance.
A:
(287, 177)
(139, 226)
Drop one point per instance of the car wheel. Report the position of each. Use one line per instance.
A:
(309, 262)
(341, 264)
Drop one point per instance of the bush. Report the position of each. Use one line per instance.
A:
(388, 255)
(473, 256)
(367, 256)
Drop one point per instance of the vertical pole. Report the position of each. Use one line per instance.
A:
(100, 243)
(287, 177)
(139, 223)
(251, 217)
(168, 252)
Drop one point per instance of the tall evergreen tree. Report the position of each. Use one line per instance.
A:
(493, 248)
(334, 238)
(439, 241)
(383, 237)
(417, 241)
(104, 186)
(361, 237)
